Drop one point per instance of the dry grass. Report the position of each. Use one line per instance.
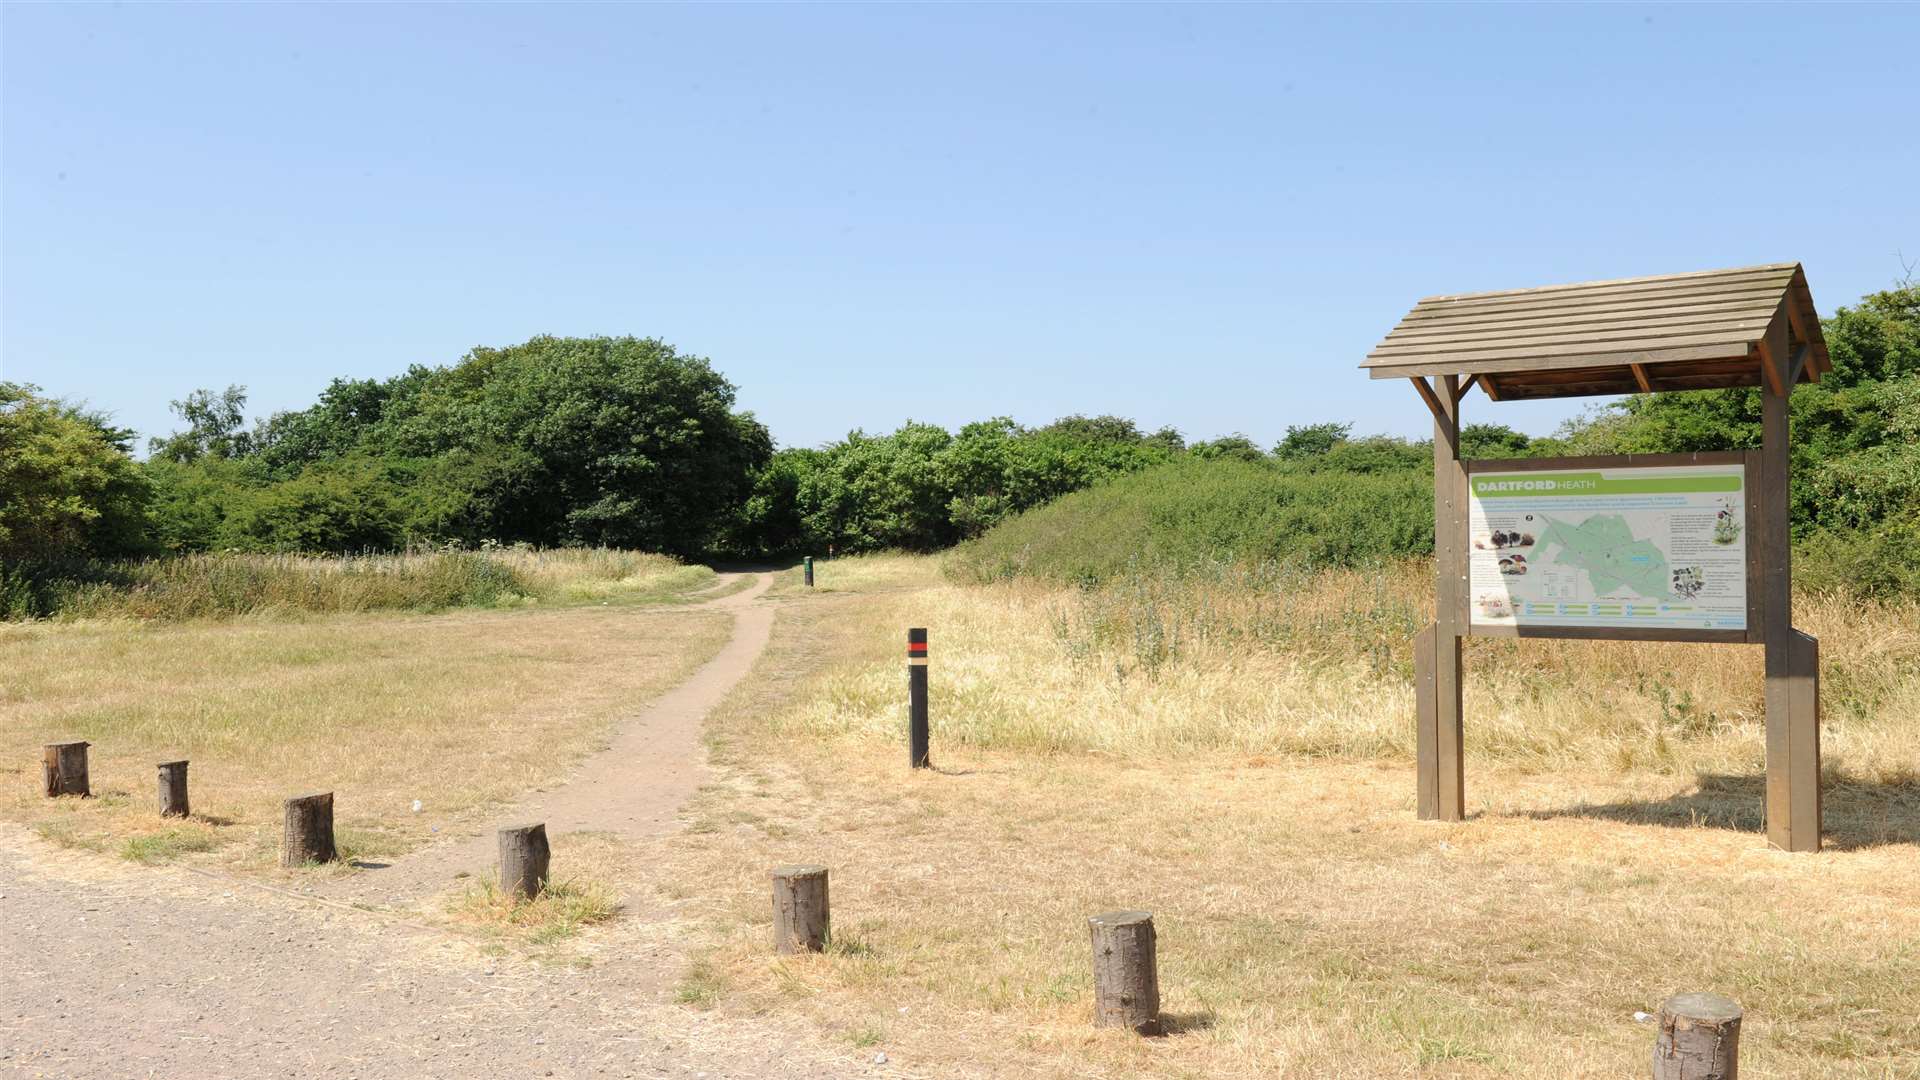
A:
(1309, 926)
(228, 585)
(461, 711)
(1321, 666)
(862, 574)
(579, 898)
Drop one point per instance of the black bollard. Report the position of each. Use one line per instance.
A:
(917, 699)
(809, 571)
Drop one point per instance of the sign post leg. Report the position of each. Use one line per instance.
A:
(1793, 743)
(1442, 770)
(1793, 658)
(1442, 784)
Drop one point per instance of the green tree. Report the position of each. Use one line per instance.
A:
(68, 486)
(1492, 441)
(215, 427)
(874, 492)
(1234, 447)
(337, 507)
(1311, 440)
(618, 441)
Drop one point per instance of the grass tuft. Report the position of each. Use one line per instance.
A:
(169, 845)
(561, 910)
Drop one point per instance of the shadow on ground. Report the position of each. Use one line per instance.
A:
(1172, 1024)
(1858, 813)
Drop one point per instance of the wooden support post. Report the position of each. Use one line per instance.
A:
(524, 857)
(1126, 977)
(308, 834)
(809, 571)
(63, 769)
(918, 735)
(1441, 782)
(173, 789)
(1792, 658)
(801, 920)
(1699, 1038)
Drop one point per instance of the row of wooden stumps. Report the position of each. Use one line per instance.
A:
(63, 771)
(306, 834)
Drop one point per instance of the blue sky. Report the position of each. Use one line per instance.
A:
(1195, 216)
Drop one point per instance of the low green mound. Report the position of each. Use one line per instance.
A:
(1191, 513)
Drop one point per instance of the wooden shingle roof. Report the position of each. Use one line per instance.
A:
(1673, 332)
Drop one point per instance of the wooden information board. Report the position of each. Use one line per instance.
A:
(1647, 546)
(1676, 547)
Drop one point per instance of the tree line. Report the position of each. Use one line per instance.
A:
(626, 442)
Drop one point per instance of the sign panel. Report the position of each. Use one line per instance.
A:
(1634, 546)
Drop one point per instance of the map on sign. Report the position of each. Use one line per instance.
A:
(1639, 546)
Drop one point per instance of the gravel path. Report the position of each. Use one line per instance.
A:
(111, 970)
(119, 971)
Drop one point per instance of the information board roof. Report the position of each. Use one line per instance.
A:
(1673, 332)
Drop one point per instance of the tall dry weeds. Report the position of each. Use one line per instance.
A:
(1271, 661)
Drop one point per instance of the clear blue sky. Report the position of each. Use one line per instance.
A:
(1196, 216)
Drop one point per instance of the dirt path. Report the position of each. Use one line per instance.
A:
(632, 789)
(110, 970)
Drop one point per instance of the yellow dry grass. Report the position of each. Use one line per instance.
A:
(1256, 794)
(580, 897)
(460, 711)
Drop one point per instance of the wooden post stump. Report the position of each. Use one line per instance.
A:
(63, 766)
(524, 857)
(1126, 976)
(800, 915)
(308, 836)
(1699, 1038)
(173, 789)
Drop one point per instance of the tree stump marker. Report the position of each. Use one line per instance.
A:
(63, 768)
(308, 835)
(1126, 977)
(1698, 1038)
(173, 789)
(524, 858)
(800, 915)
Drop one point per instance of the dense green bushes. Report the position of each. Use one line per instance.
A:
(1197, 512)
(921, 487)
(1322, 498)
(67, 483)
(612, 441)
(624, 442)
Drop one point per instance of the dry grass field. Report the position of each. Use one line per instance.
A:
(1237, 759)
(460, 711)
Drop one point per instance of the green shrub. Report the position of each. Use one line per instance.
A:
(1197, 513)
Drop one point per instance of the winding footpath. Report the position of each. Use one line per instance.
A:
(110, 970)
(633, 789)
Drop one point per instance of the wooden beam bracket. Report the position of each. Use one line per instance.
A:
(1426, 394)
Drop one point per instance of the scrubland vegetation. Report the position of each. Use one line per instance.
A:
(1166, 675)
(626, 442)
(216, 586)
